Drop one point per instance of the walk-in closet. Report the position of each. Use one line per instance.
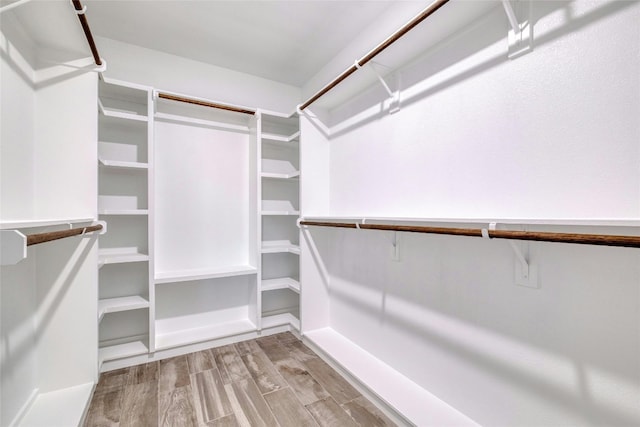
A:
(319, 213)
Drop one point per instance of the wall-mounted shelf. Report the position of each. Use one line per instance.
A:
(273, 175)
(118, 113)
(205, 333)
(174, 118)
(123, 212)
(118, 164)
(281, 283)
(120, 256)
(115, 305)
(120, 351)
(279, 247)
(32, 223)
(202, 274)
(280, 138)
(279, 213)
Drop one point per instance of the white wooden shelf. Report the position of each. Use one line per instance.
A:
(205, 333)
(120, 256)
(123, 212)
(214, 273)
(115, 305)
(118, 164)
(278, 247)
(121, 114)
(63, 407)
(280, 283)
(414, 402)
(33, 223)
(280, 320)
(279, 213)
(120, 351)
(199, 122)
(280, 138)
(275, 175)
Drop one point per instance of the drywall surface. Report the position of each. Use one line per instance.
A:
(173, 73)
(554, 133)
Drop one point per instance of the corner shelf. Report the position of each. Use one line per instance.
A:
(280, 283)
(115, 305)
(205, 333)
(119, 351)
(214, 273)
(275, 175)
(120, 256)
(120, 114)
(280, 138)
(279, 247)
(118, 164)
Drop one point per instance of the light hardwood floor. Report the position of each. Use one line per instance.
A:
(269, 381)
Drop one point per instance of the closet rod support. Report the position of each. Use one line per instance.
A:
(520, 36)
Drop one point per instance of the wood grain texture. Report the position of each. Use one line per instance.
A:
(143, 373)
(286, 337)
(174, 373)
(227, 421)
(105, 409)
(251, 404)
(200, 361)
(111, 381)
(246, 347)
(276, 352)
(210, 398)
(337, 386)
(301, 382)
(230, 364)
(140, 405)
(300, 351)
(175, 408)
(263, 372)
(288, 410)
(328, 413)
(366, 414)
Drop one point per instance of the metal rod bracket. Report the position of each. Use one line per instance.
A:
(520, 36)
(13, 247)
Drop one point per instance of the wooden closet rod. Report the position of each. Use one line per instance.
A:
(80, 11)
(34, 239)
(205, 103)
(585, 239)
(382, 46)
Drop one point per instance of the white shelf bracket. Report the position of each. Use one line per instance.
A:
(13, 247)
(525, 274)
(395, 247)
(520, 35)
(394, 96)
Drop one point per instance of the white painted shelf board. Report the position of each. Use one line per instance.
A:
(280, 283)
(281, 138)
(205, 333)
(279, 213)
(280, 320)
(120, 256)
(578, 222)
(202, 122)
(123, 212)
(412, 401)
(118, 164)
(120, 351)
(115, 305)
(214, 273)
(274, 175)
(33, 223)
(121, 114)
(64, 407)
(279, 248)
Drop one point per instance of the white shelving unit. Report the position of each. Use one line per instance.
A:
(279, 237)
(203, 274)
(124, 159)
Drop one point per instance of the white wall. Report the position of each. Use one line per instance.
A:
(553, 134)
(173, 73)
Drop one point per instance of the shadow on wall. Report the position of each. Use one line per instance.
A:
(420, 75)
(569, 344)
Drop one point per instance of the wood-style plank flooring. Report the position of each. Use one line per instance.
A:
(270, 381)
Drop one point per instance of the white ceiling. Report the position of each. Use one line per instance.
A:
(285, 41)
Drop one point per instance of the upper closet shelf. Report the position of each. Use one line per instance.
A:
(279, 213)
(123, 211)
(118, 164)
(174, 118)
(202, 274)
(281, 138)
(119, 113)
(32, 223)
(274, 175)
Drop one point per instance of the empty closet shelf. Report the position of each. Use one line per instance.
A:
(277, 175)
(32, 223)
(278, 248)
(279, 213)
(201, 274)
(418, 405)
(280, 283)
(123, 212)
(120, 351)
(280, 320)
(120, 256)
(182, 337)
(119, 164)
(120, 113)
(280, 138)
(114, 305)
